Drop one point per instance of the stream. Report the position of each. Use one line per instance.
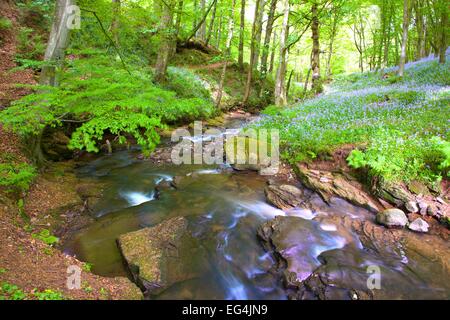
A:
(224, 209)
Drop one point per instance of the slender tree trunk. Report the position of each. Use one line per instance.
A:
(288, 87)
(227, 53)
(115, 21)
(444, 30)
(280, 90)
(202, 30)
(272, 55)
(241, 36)
(166, 40)
(258, 35)
(211, 24)
(266, 46)
(219, 33)
(330, 46)
(253, 48)
(177, 27)
(401, 69)
(315, 60)
(57, 42)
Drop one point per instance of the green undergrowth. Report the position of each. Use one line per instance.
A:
(398, 128)
(100, 96)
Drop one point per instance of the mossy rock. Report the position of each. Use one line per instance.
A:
(163, 255)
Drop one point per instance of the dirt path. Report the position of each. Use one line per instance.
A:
(209, 66)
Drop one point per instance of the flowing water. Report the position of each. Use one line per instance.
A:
(224, 209)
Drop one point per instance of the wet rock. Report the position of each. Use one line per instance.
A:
(392, 218)
(329, 184)
(423, 207)
(418, 187)
(440, 200)
(412, 207)
(419, 225)
(393, 193)
(284, 196)
(432, 210)
(163, 255)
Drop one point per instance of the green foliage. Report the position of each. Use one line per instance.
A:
(16, 177)
(48, 294)
(395, 156)
(30, 45)
(5, 23)
(45, 236)
(403, 126)
(87, 266)
(101, 97)
(10, 291)
(186, 84)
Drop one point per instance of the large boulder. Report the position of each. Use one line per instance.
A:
(284, 196)
(163, 255)
(392, 218)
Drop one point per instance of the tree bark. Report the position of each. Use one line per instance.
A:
(241, 36)
(444, 30)
(253, 48)
(401, 68)
(258, 34)
(268, 35)
(315, 60)
(227, 54)
(280, 89)
(211, 24)
(115, 21)
(166, 40)
(272, 55)
(57, 42)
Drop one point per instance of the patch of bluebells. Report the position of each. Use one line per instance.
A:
(354, 111)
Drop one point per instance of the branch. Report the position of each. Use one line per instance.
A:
(194, 31)
(109, 38)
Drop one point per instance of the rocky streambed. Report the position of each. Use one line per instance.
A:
(214, 232)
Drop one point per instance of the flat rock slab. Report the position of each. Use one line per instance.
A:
(163, 255)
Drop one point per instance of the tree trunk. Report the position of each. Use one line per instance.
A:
(202, 30)
(177, 27)
(266, 46)
(258, 34)
(211, 24)
(280, 90)
(272, 55)
(253, 48)
(315, 60)
(444, 30)
(330, 46)
(115, 21)
(401, 68)
(241, 36)
(166, 40)
(227, 53)
(57, 42)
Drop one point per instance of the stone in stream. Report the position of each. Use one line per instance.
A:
(411, 206)
(163, 255)
(419, 225)
(284, 196)
(392, 218)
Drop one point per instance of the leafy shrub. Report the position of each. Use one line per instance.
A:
(45, 236)
(186, 84)
(30, 45)
(10, 291)
(48, 294)
(395, 156)
(5, 23)
(16, 176)
(101, 97)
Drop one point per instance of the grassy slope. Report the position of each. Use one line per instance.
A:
(396, 121)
